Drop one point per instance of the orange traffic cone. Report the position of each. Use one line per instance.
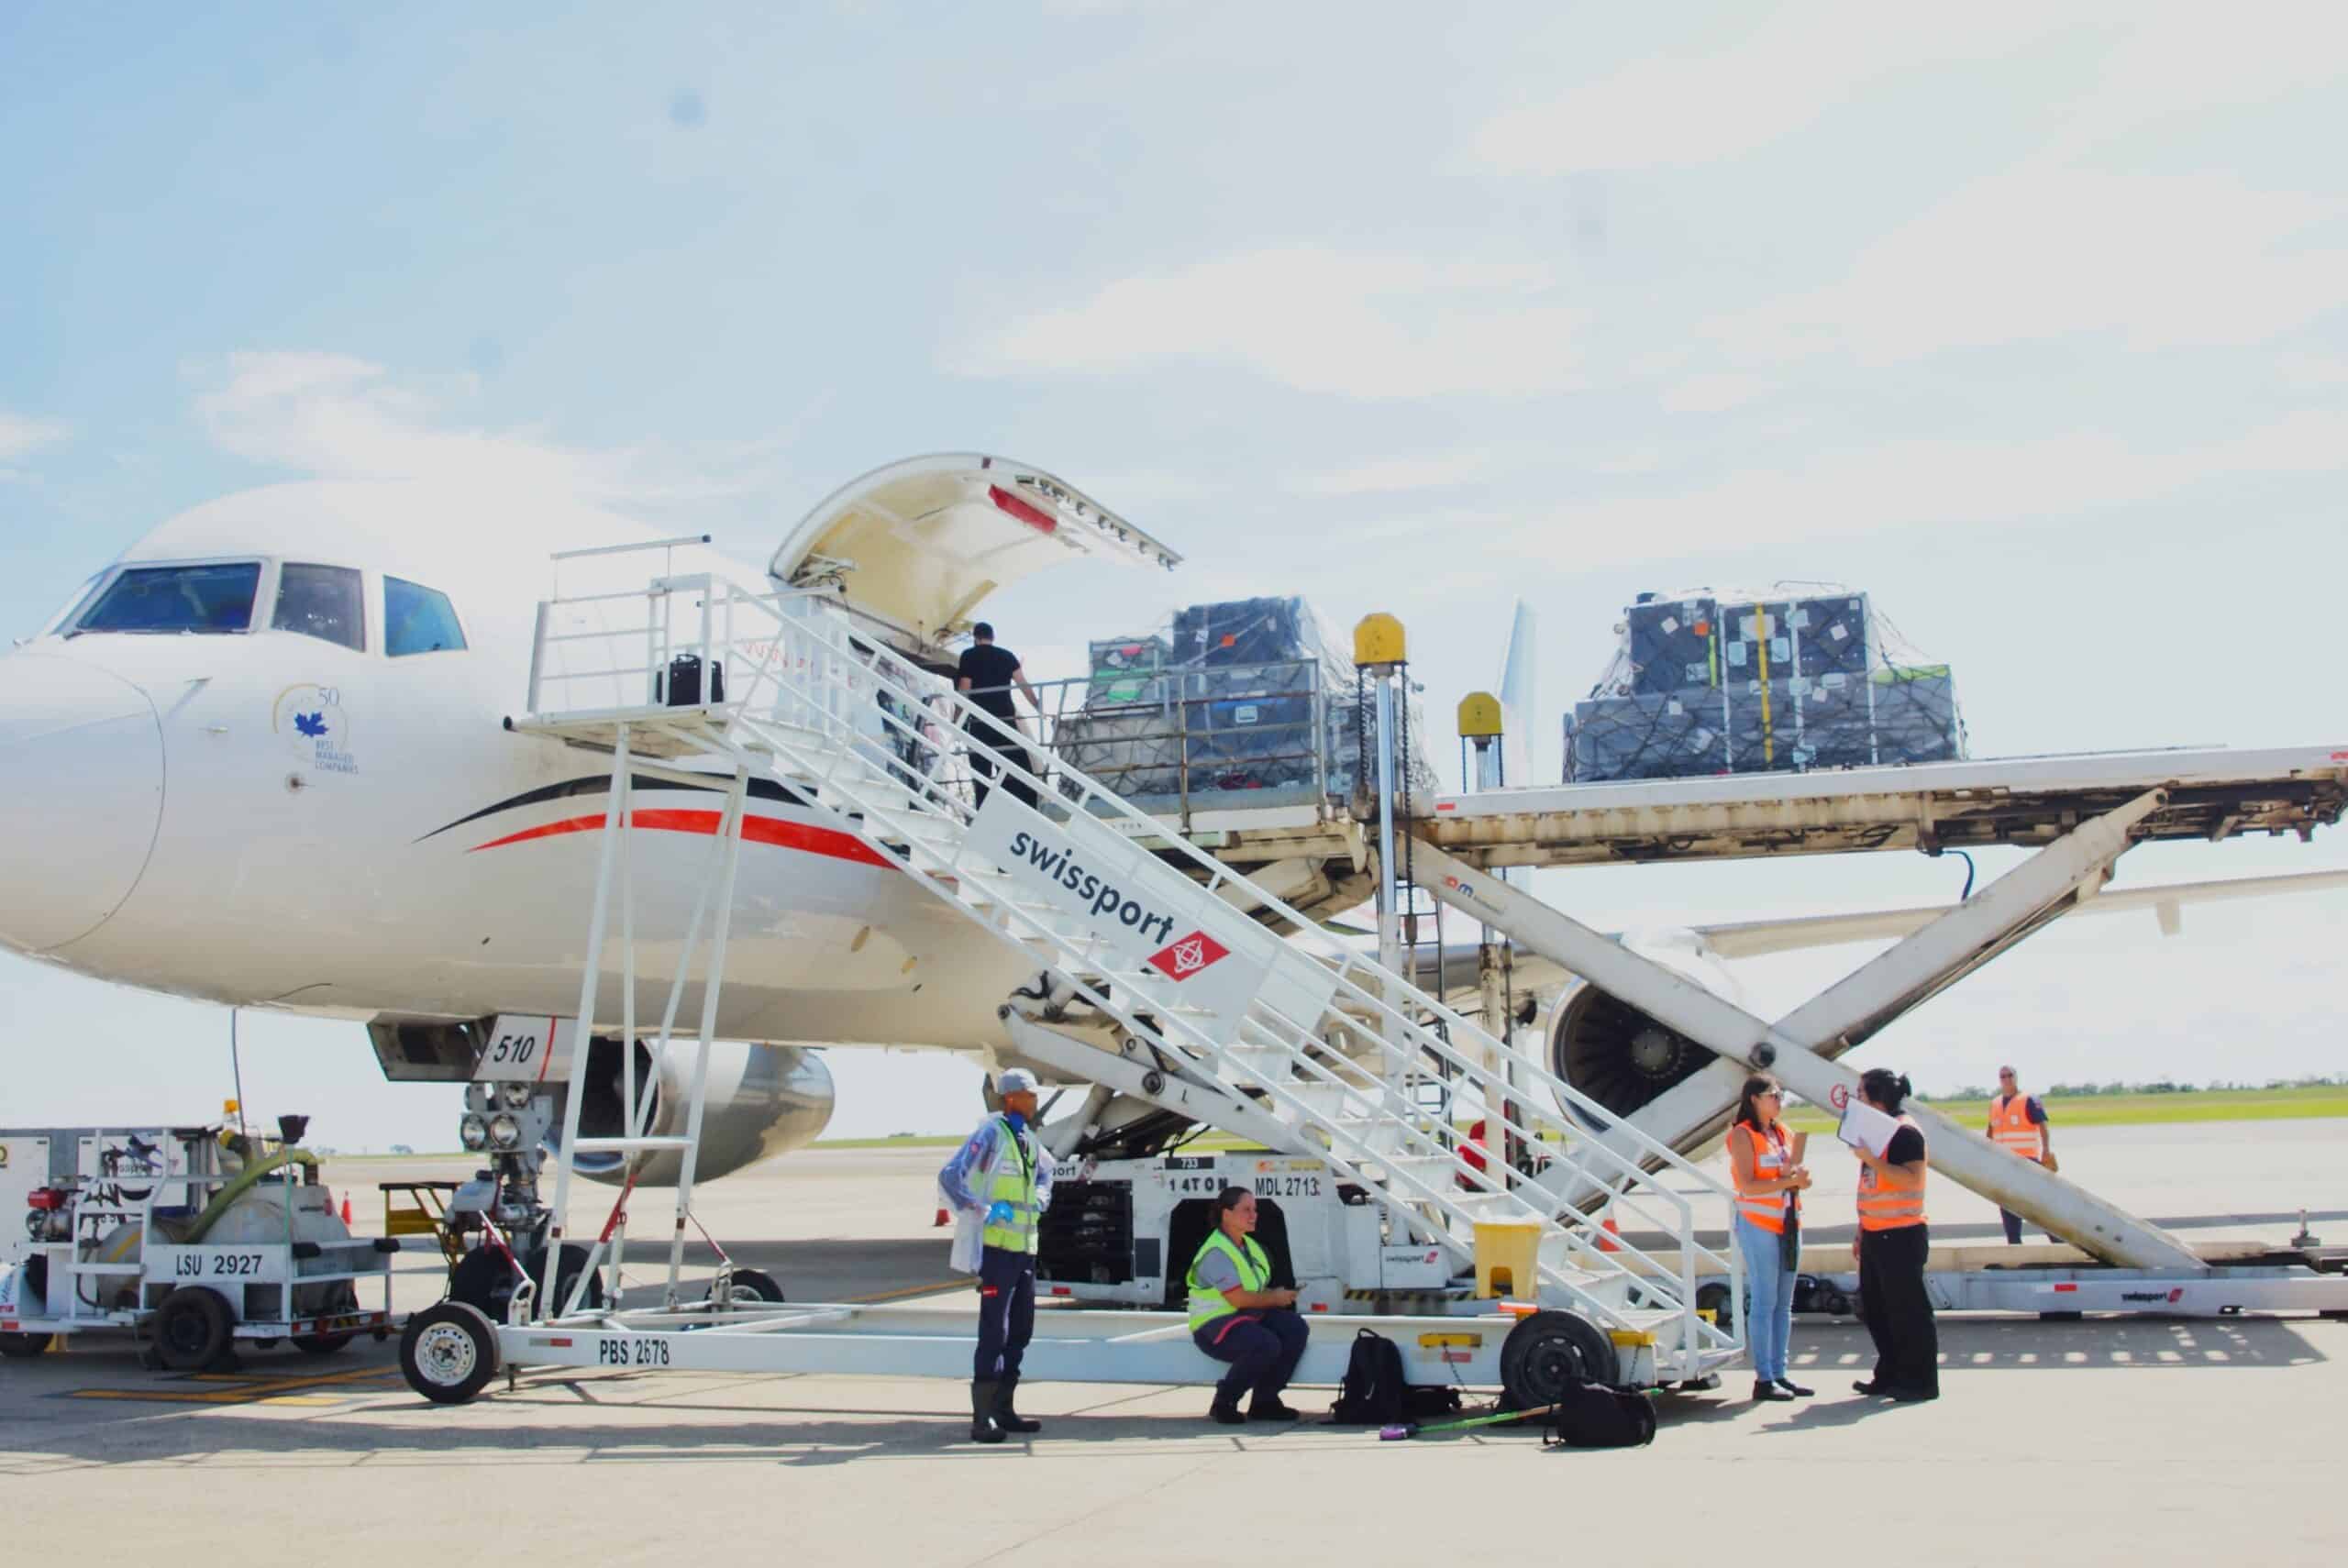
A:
(934, 1224)
(345, 1210)
(1607, 1231)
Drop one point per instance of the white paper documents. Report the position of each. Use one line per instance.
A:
(1863, 1123)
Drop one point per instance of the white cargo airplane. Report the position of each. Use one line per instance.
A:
(261, 760)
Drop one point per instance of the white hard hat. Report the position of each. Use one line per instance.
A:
(1014, 1080)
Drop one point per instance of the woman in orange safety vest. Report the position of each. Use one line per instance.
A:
(1891, 1247)
(1769, 1179)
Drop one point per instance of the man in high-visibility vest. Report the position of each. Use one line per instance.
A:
(2018, 1125)
(1001, 1180)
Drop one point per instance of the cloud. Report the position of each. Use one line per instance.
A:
(1667, 110)
(2184, 62)
(1918, 483)
(1714, 392)
(1317, 320)
(1386, 476)
(21, 434)
(2156, 262)
(336, 416)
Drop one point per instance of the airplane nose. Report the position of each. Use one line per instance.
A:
(81, 797)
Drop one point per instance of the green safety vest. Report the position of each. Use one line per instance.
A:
(1012, 1180)
(1255, 1271)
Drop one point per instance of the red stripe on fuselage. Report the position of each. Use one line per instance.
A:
(755, 830)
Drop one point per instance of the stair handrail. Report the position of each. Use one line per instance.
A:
(865, 660)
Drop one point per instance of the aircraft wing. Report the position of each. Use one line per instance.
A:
(1753, 939)
(1750, 939)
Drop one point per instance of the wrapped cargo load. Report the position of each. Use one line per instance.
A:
(1785, 679)
(1245, 702)
(1126, 671)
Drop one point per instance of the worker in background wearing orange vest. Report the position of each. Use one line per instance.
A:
(1891, 1247)
(1763, 1158)
(2018, 1125)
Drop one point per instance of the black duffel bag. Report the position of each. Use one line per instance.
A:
(1594, 1415)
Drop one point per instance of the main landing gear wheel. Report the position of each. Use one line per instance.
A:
(19, 1347)
(1549, 1354)
(192, 1328)
(484, 1281)
(753, 1287)
(448, 1352)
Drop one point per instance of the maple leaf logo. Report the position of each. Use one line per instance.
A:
(311, 725)
(1186, 955)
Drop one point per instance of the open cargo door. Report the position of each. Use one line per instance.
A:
(918, 545)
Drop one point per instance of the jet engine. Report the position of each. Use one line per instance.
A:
(1617, 1054)
(763, 1100)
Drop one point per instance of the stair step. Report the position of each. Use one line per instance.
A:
(1491, 1206)
(1327, 1099)
(1426, 1167)
(1374, 1134)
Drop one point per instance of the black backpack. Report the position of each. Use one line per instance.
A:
(1594, 1415)
(1374, 1393)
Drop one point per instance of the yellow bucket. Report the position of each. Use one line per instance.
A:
(1508, 1258)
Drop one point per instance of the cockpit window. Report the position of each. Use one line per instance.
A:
(212, 597)
(321, 602)
(418, 619)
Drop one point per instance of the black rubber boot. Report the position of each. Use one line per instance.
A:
(1225, 1409)
(1268, 1408)
(1006, 1418)
(983, 1427)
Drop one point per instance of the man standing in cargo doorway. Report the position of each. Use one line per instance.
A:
(986, 676)
(2018, 1125)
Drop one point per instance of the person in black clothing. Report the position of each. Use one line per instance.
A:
(1892, 1248)
(986, 676)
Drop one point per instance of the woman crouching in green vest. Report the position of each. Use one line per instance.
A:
(1236, 1318)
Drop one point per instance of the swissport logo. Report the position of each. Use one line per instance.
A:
(1187, 956)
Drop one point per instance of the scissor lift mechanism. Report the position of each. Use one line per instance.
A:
(2149, 1269)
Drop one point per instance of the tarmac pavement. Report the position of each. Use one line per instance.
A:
(2148, 1439)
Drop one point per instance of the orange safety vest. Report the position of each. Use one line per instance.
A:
(1766, 1210)
(2011, 1126)
(1894, 1198)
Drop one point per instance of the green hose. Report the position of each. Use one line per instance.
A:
(243, 1184)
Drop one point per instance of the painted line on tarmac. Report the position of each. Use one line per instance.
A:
(244, 1389)
(900, 1295)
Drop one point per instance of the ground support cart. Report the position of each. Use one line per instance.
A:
(1534, 1357)
(193, 1244)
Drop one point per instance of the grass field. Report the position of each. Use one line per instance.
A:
(2137, 1109)
(2082, 1110)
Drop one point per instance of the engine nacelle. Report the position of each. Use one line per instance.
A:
(763, 1100)
(1620, 1056)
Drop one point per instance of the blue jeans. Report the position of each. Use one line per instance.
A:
(1769, 1296)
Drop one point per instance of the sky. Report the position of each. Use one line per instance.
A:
(2031, 324)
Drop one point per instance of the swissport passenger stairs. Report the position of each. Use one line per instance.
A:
(1171, 993)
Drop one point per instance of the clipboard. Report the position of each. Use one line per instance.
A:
(1863, 1124)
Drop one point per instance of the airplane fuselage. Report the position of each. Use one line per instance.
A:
(270, 817)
